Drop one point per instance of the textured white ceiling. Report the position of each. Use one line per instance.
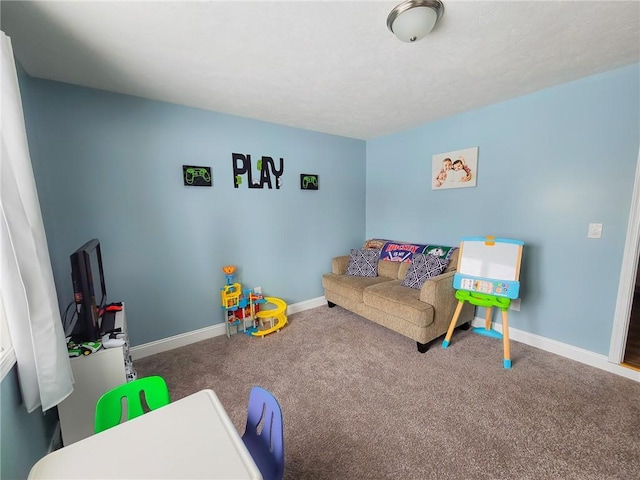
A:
(329, 66)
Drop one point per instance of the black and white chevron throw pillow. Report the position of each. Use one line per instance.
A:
(363, 263)
(422, 268)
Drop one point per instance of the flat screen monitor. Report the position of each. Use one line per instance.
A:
(89, 291)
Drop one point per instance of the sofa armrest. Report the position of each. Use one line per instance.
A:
(339, 265)
(438, 290)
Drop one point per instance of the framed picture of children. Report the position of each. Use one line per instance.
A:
(457, 169)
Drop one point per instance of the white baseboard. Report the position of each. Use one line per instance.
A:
(176, 341)
(188, 338)
(564, 350)
(558, 348)
(306, 305)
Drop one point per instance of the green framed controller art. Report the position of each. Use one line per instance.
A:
(196, 176)
(308, 181)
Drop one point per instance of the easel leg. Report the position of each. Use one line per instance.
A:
(452, 325)
(487, 323)
(505, 339)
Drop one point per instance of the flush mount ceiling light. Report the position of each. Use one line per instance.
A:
(413, 19)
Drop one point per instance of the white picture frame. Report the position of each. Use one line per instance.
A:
(456, 169)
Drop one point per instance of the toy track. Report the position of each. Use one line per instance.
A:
(279, 313)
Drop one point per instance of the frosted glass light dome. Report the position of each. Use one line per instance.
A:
(414, 19)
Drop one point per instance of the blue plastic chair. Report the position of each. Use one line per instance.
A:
(264, 434)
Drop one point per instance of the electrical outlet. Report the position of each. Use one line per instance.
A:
(595, 230)
(515, 305)
(257, 290)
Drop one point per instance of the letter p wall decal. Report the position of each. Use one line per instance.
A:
(266, 172)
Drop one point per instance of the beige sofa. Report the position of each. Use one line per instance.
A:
(420, 314)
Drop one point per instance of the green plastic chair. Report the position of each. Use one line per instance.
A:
(109, 407)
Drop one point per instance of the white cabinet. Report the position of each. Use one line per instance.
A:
(94, 375)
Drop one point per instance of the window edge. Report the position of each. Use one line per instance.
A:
(7, 361)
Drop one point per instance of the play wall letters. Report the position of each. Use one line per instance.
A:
(269, 175)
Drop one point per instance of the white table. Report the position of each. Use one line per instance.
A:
(190, 438)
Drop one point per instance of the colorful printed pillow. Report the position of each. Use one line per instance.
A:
(363, 263)
(422, 268)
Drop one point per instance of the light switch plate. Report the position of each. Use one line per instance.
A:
(595, 230)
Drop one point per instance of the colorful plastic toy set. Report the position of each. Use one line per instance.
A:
(243, 308)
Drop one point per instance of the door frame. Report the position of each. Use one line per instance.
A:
(626, 285)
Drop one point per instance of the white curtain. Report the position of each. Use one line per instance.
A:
(27, 289)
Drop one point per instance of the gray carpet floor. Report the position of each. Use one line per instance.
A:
(359, 402)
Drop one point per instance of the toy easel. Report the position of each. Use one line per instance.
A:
(488, 275)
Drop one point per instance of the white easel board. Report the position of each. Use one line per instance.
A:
(489, 265)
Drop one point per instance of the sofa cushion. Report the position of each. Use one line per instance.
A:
(422, 268)
(363, 263)
(398, 301)
(402, 271)
(453, 260)
(389, 269)
(348, 286)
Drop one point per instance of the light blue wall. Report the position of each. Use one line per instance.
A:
(110, 166)
(549, 164)
(25, 437)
